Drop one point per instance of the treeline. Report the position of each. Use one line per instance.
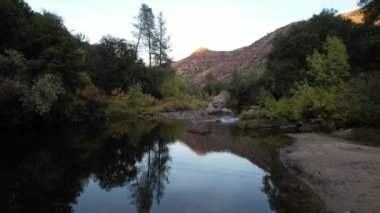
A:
(49, 75)
(325, 70)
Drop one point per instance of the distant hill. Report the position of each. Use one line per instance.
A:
(222, 63)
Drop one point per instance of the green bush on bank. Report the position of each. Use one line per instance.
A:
(328, 97)
(176, 97)
(253, 114)
(172, 104)
(126, 104)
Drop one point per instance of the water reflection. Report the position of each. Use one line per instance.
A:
(131, 167)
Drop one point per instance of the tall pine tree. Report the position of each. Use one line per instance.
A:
(162, 42)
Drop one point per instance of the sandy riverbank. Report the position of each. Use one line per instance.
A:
(345, 175)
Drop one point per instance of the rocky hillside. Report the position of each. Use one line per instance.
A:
(222, 63)
(356, 16)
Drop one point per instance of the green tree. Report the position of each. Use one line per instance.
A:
(14, 16)
(113, 64)
(212, 85)
(319, 101)
(287, 63)
(174, 87)
(323, 98)
(86, 102)
(144, 30)
(245, 89)
(43, 94)
(39, 62)
(332, 68)
(162, 42)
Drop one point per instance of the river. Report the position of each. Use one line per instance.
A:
(148, 166)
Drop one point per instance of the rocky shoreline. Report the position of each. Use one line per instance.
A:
(200, 115)
(345, 175)
(215, 109)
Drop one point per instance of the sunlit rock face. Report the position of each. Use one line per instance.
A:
(223, 63)
(356, 16)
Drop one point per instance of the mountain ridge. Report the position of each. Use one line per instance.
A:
(221, 64)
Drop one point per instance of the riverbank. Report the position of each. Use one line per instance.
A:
(196, 115)
(189, 115)
(343, 174)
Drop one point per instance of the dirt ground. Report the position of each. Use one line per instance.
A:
(345, 175)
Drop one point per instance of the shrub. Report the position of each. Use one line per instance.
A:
(121, 104)
(177, 104)
(253, 114)
(174, 87)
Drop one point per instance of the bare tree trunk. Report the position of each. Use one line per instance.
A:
(137, 44)
(150, 51)
(160, 54)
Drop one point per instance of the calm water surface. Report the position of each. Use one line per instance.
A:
(148, 166)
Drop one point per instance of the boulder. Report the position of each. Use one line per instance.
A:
(219, 104)
(215, 111)
(221, 100)
(226, 111)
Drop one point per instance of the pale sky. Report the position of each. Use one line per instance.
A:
(214, 24)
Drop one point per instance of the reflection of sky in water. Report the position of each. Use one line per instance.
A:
(213, 182)
(94, 199)
(214, 163)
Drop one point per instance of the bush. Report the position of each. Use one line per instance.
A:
(138, 100)
(364, 99)
(253, 114)
(178, 104)
(86, 103)
(121, 104)
(246, 89)
(282, 111)
(174, 87)
(248, 124)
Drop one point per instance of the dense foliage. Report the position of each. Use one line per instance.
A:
(327, 85)
(287, 62)
(49, 75)
(325, 70)
(39, 64)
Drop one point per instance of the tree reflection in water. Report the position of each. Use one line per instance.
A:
(152, 176)
(137, 160)
(46, 170)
